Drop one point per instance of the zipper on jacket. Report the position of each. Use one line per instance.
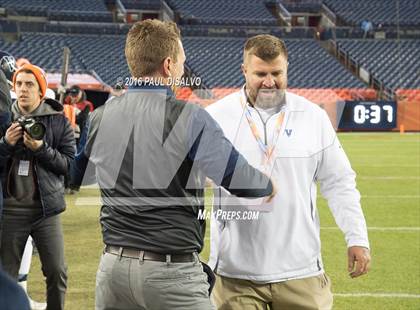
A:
(39, 188)
(264, 124)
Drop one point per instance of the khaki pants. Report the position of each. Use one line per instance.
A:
(309, 293)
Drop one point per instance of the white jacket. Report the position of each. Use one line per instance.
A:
(284, 243)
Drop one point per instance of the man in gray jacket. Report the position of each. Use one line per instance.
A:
(152, 154)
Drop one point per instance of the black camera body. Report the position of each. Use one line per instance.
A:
(34, 128)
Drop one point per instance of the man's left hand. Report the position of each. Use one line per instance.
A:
(358, 261)
(31, 143)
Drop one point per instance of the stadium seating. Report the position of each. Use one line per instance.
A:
(56, 5)
(222, 12)
(382, 12)
(77, 10)
(217, 61)
(103, 54)
(8, 26)
(91, 16)
(213, 34)
(395, 63)
(312, 6)
(245, 31)
(141, 4)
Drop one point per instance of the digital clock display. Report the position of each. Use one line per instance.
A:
(381, 115)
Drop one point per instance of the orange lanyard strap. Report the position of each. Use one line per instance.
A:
(266, 149)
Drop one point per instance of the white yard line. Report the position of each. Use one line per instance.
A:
(392, 196)
(88, 201)
(400, 229)
(368, 177)
(378, 295)
(408, 228)
(376, 133)
(354, 164)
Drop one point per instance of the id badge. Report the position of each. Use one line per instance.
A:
(24, 168)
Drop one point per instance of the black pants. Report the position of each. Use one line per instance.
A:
(48, 238)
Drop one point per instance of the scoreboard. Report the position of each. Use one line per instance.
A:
(369, 115)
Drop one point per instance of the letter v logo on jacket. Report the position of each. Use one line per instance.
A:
(288, 132)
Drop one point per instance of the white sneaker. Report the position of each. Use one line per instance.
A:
(37, 305)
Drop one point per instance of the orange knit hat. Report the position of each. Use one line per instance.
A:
(37, 72)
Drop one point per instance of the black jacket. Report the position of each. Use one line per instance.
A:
(51, 161)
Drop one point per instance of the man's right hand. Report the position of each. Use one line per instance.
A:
(13, 134)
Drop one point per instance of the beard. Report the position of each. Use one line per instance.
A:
(270, 98)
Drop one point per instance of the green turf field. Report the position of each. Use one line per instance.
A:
(388, 170)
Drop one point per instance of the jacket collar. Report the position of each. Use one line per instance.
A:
(152, 87)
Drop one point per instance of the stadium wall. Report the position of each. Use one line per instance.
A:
(408, 113)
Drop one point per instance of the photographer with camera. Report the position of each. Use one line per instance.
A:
(35, 152)
(8, 66)
(11, 295)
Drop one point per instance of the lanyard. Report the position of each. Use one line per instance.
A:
(266, 149)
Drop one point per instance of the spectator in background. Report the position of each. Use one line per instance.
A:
(79, 112)
(77, 97)
(367, 28)
(6, 69)
(32, 182)
(5, 115)
(50, 94)
(21, 62)
(76, 109)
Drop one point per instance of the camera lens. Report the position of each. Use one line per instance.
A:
(37, 131)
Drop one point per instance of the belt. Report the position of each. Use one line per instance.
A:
(152, 256)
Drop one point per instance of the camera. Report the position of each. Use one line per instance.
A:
(35, 129)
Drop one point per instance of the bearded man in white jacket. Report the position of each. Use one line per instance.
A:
(275, 261)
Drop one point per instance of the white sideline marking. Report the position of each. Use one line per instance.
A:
(371, 228)
(378, 295)
(395, 133)
(94, 186)
(408, 228)
(388, 177)
(384, 166)
(392, 196)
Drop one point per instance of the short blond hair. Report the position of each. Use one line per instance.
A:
(265, 46)
(148, 43)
